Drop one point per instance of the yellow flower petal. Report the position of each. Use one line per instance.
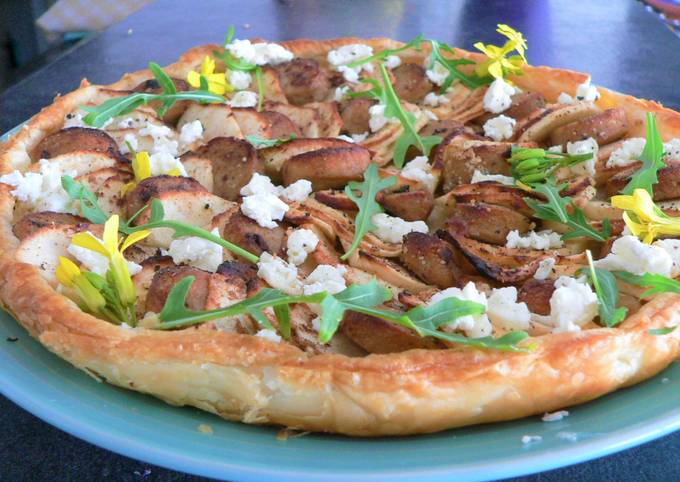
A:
(66, 271)
(90, 295)
(88, 241)
(141, 165)
(194, 79)
(134, 238)
(111, 235)
(174, 172)
(207, 66)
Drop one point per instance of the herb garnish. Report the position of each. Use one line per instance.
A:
(534, 165)
(383, 54)
(97, 116)
(564, 210)
(471, 81)
(368, 206)
(260, 143)
(607, 293)
(652, 160)
(662, 331)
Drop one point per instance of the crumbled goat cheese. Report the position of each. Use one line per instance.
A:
(671, 150)
(392, 61)
(130, 139)
(630, 254)
(438, 74)
(377, 119)
(474, 326)
(41, 190)
(265, 209)
(163, 139)
(419, 169)
(198, 252)
(298, 191)
(239, 80)
(555, 416)
(269, 335)
(327, 278)
(534, 240)
(672, 247)
(163, 162)
(74, 119)
(586, 146)
(572, 305)
(191, 131)
(498, 96)
(340, 93)
(629, 153)
(95, 262)
(545, 268)
(243, 98)
(301, 242)
(259, 53)
(359, 137)
(503, 309)
(434, 100)
(347, 54)
(430, 115)
(499, 128)
(345, 138)
(478, 176)
(259, 184)
(392, 229)
(584, 91)
(529, 439)
(279, 274)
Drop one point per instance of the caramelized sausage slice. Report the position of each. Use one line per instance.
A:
(461, 159)
(525, 104)
(667, 187)
(410, 205)
(233, 161)
(536, 294)
(411, 83)
(380, 336)
(246, 233)
(489, 222)
(281, 126)
(76, 139)
(355, 115)
(166, 278)
(329, 168)
(152, 86)
(32, 222)
(304, 81)
(151, 187)
(605, 127)
(431, 259)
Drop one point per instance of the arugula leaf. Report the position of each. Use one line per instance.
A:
(166, 84)
(175, 314)
(234, 63)
(507, 342)
(662, 331)
(359, 298)
(656, 283)
(607, 292)
(383, 54)
(260, 143)
(89, 204)
(470, 81)
(652, 160)
(369, 187)
(533, 165)
(563, 210)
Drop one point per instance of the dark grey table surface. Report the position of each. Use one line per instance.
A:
(617, 41)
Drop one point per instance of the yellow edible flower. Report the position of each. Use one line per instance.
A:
(217, 82)
(113, 250)
(498, 65)
(141, 167)
(70, 276)
(644, 218)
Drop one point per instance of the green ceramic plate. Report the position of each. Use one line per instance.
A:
(145, 428)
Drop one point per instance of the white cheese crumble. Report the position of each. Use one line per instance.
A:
(498, 96)
(572, 305)
(630, 254)
(478, 176)
(164, 162)
(239, 80)
(259, 53)
(377, 118)
(529, 439)
(300, 243)
(587, 146)
(437, 74)
(499, 128)
(392, 229)
(430, 115)
(419, 169)
(545, 269)
(198, 252)
(434, 100)
(555, 416)
(190, 132)
(347, 54)
(163, 138)
(474, 326)
(298, 191)
(628, 153)
(243, 98)
(261, 199)
(279, 274)
(671, 150)
(541, 240)
(269, 335)
(95, 262)
(503, 309)
(41, 190)
(584, 91)
(345, 138)
(327, 278)
(130, 139)
(359, 137)
(672, 247)
(340, 93)
(392, 61)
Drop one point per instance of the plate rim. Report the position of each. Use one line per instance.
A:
(18, 390)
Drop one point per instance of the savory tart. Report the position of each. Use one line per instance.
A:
(355, 236)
